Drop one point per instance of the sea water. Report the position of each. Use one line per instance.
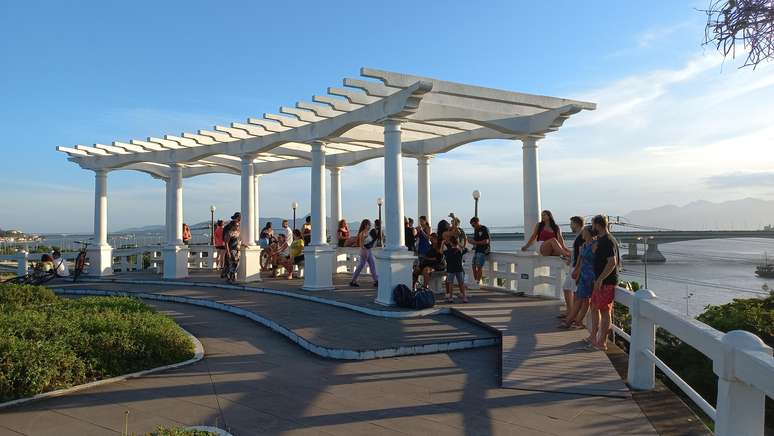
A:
(697, 273)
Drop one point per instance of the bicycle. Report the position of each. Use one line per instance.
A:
(80, 260)
(38, 276)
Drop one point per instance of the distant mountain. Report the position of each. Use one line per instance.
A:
(205, 225)
(744, 214)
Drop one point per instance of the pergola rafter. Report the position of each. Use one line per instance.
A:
(393, 116)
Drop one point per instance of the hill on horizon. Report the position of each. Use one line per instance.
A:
(743, 214)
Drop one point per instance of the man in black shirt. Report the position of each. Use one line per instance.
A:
(606, 271)
(480, 243)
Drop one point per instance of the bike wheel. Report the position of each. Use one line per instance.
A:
(80, 262)
(18, 280)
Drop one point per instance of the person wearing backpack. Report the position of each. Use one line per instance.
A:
(366, 239)
(454, 270)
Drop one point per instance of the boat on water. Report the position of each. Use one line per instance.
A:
(765, 270)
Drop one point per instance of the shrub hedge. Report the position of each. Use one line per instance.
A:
(49, 343)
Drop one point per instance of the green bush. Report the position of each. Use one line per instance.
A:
(48, 343)
(179, 431)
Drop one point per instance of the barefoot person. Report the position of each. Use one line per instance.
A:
(584, 273)
(606, 271)
(576, 224)
(548, 237)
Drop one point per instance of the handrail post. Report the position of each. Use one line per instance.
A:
(642, 370)
(21, 264)
(740, 407)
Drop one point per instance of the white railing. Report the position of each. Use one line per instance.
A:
(742, 361)
(525, 272)
(347, 258)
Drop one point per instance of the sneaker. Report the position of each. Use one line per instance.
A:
(354, 284)
(376, 284)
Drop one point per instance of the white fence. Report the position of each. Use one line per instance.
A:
(741, 360)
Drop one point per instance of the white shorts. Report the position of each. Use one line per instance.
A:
(569, 283)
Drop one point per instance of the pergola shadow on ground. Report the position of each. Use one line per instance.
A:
(392, 116)
(254, 382)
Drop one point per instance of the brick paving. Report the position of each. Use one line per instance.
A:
(252, 381)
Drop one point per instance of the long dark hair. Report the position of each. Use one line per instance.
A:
(443, 227)
(551, 223)
(364, 225)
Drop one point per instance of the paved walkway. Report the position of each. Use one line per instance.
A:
(252, 381)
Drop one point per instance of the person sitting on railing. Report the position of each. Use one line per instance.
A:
(46, 264)
(548, 237)
(306, 231)
(186, 234)
(60, 264)
(278, 253)
(431, 261)
(584, 272)
(292, 255)
(603, 294)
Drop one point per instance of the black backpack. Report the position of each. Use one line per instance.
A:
(403, 296)
(423, 298)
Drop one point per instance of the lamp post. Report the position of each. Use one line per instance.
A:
(476, 196)
(380, 202)
(212, 225)
(645, 255)
(294, 206)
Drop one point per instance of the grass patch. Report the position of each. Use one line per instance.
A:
(49, 343)
(178, 431)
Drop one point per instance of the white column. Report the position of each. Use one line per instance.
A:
(336, 213)
(318, 257)
(531, 184)
(175, 253)
(740, 406)
(394, 263)
(100, 254)
(424, 196)
(257, 192)
(249, 262)
(393, 186)
(168, 235)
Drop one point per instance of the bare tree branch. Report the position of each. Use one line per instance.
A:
(750, 22)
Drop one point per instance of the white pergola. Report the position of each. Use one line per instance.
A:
(392, 116)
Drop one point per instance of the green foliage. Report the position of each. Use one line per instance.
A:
(178, 431)
(48, 343)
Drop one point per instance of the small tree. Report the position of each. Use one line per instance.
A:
(750, 22)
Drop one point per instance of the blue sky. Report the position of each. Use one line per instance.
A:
(674, 123)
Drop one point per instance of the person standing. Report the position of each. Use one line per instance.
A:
(481, 248)
(376, 234)
(423, 236)
(232, 242)
(583, 272)
(606, 271)
(288, 232)
(410, 234)
(186, 234)
(342, 233)
(220, 245)
(568, 288)
(306, 230)
(366, 241)
(454, 270)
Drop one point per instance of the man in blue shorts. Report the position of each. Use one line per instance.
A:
(481, 248)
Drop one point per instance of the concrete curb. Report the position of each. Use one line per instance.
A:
(322, 351)
(198, 355)
(354, 307)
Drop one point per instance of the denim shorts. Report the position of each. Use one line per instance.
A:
(460, 276)
(479, 259)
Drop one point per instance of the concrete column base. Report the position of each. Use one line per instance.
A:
(249, 264)
(653, 255)
(318, 267)
(394, 268)
(175, 261)
(100, 260)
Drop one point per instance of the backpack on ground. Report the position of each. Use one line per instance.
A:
(403, 296)
(423, 298)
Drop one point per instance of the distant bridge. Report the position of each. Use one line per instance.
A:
(656, 237)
